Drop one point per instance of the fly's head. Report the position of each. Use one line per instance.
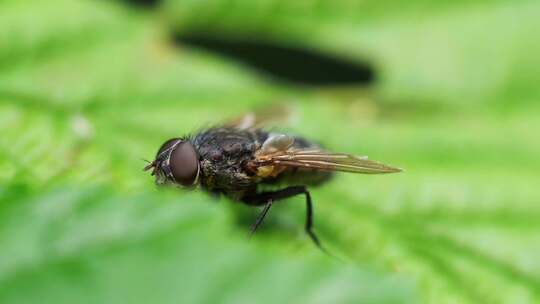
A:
(176, 162)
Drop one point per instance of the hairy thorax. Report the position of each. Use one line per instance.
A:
(224, 154)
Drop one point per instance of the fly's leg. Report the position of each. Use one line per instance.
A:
(309, 220)
(261, 217)
(268, 198)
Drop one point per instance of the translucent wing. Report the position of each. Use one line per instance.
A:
(261, 117)
(278, 151)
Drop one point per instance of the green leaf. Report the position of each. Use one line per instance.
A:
(92, 245)
(431, 51)
(87, 89)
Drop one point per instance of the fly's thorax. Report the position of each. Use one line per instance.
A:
(223, 154)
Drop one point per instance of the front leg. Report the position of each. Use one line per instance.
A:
(268, 198)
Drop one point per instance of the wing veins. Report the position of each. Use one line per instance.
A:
(328, 161)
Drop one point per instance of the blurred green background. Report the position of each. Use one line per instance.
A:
(447, 90)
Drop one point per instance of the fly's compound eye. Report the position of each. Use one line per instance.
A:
(168, 144)
(184, 164)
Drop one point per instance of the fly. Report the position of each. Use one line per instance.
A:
(235, 159)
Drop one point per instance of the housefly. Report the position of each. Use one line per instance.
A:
(237, 158)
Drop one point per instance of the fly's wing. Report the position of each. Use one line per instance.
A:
(278, 151)
(261, 117)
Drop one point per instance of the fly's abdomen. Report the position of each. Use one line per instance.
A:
(301, 176)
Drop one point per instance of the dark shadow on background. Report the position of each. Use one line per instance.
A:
(143, 3)
(295, 65)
